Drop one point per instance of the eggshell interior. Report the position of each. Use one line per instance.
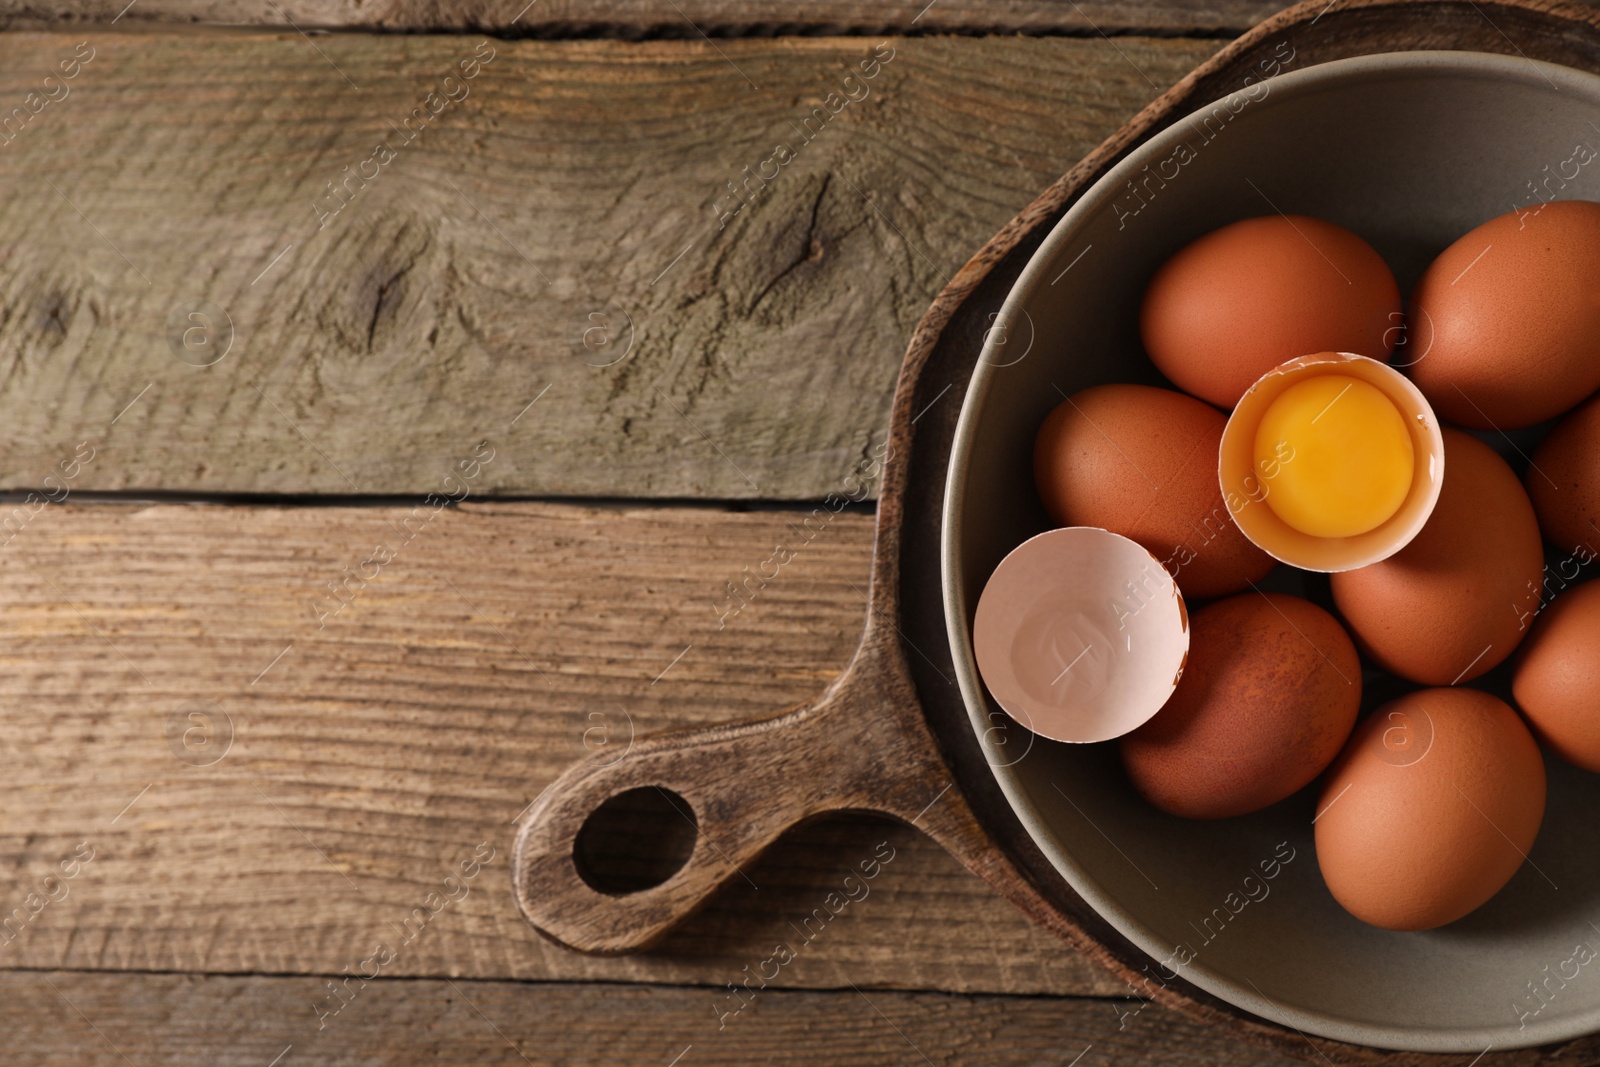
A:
(1081, 634)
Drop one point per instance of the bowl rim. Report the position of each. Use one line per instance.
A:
(1420, 1037)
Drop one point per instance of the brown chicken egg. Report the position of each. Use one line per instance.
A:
(1506, 322)
(1241, 300)
(1450, 605)
(1265, 703)
(1557, 682)
(1142, 462)
(1430, 809)
(1563, 481)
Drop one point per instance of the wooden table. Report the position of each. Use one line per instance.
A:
(355, 491)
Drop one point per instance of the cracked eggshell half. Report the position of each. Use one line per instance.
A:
(1080, 634)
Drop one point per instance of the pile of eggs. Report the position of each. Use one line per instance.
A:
(1430, 803)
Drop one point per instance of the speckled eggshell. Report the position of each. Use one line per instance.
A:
(1237, 302)
(1557, 681)
(1563, 481)
(1430, 809)
(1506, 323)
(1142, 462)
(1266, 702)
(1452, 603)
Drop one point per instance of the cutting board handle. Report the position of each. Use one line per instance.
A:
(740, 786)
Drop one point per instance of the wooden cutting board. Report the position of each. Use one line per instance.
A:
(891, 734)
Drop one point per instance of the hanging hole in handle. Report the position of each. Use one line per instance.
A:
(635, 841)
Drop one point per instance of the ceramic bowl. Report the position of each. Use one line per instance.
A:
(1409, 150)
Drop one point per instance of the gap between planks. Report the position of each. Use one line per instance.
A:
(689, 19)
(250, 1022)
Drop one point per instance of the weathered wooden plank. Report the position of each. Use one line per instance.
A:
(457, 281)
(336, 773)
(642, 18)
(85, 1020)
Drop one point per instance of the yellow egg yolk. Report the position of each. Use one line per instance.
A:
(1333, 456)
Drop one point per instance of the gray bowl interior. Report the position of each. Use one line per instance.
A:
(1410, 151)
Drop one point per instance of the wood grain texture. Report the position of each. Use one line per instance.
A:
(86, 1020)
(369, 757)
(455, 286)
(639, 18)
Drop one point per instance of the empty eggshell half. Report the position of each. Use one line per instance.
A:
(1245, 488)
(1080, 634)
